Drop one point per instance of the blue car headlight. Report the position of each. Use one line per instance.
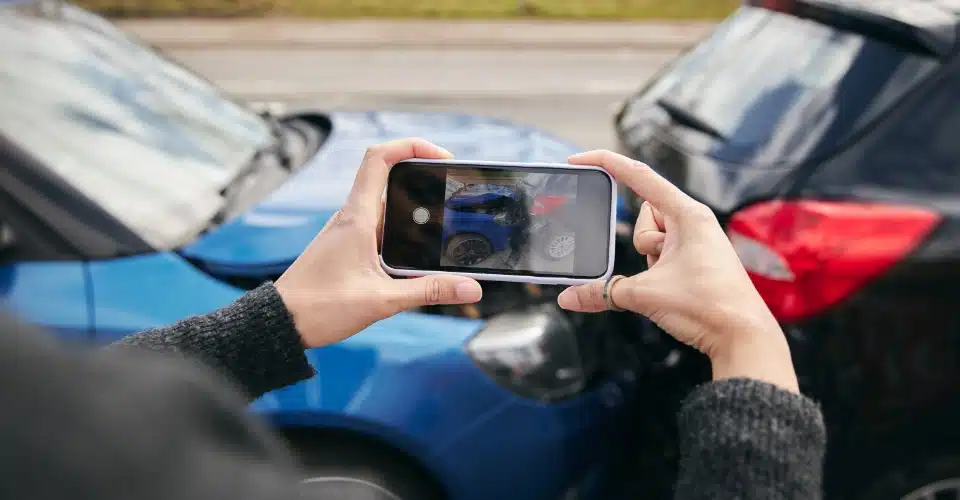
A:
(532, 352)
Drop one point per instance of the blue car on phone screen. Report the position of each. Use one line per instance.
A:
(478, 222)
(134, 194)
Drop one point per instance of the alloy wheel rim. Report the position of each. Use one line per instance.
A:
(470, 252)
(387, 494)
(940, 490)
(561, 246)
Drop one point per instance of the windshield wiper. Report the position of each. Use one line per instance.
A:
(231, 192)
(277, 149)
(689, 120)
(279, 146)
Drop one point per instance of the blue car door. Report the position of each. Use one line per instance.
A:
(150, 290)
(475, 213)
(52, 294)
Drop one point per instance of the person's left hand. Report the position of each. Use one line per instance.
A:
(336, 288)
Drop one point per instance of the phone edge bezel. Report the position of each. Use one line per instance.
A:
(515, 278)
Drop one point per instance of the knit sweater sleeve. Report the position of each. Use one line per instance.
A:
(744, 439)
(253, 342)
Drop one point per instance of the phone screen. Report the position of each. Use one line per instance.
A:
(519, 220)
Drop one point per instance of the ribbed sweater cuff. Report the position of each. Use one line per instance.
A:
(744, 432)
(252, 341)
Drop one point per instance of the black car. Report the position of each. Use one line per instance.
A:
(825, 135)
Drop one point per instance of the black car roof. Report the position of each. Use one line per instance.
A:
(923, 25)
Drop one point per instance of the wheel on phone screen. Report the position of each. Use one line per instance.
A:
(468, 249)
(559, 245)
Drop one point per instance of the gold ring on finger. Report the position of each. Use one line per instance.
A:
(608, 293)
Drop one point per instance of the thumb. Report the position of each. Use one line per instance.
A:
(631, 294)
(436, 290)
(583, 298)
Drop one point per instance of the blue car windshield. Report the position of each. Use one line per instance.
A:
(149, 141)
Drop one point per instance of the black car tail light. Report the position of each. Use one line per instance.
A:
(805, 256)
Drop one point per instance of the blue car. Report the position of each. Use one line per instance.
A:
(134, 194)
(478, 221)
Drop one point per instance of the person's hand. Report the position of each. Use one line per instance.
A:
(695, 288)
(336, 287)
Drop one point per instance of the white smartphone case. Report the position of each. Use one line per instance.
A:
(539, 280)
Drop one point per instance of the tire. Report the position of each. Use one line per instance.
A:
(473, 249)
(907, 482)
(559, 245)
(356, 470)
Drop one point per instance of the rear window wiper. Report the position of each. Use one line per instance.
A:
(689, 120)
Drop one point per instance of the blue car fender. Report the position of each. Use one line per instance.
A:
(406, 381)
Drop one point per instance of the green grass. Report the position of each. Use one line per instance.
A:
(448, 9)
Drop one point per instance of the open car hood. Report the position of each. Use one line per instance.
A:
(268, 237)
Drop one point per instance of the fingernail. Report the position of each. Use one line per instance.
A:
(468, 291)
(445, 152)
(659, 247)
(568, 300)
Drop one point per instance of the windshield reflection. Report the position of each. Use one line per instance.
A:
(149, 141)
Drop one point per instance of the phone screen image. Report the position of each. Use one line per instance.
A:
(510, 221)
(513, 221)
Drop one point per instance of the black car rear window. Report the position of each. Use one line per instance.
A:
(768, 87)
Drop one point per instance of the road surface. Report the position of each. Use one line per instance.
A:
(572, 93)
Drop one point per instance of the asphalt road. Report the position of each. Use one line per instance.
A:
(572, 93)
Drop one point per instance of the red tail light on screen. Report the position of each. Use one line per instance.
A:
(805, 256)
(544, 205)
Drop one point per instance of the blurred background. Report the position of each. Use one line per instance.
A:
(478, 57)
(464, 9)
(820, 132)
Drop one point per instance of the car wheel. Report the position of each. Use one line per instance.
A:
(468, 249)
(926, 479)
(354, 470)
(559, 245)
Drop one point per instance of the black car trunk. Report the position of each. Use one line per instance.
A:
(722, 187)
(777, 87)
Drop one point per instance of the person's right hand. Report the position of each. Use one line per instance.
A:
(695, 288)
(336, 288)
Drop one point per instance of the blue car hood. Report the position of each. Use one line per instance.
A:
(269, 236)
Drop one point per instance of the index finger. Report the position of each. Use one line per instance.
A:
(374, 171)
(639, 177)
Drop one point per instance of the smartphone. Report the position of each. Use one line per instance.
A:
(527, 222)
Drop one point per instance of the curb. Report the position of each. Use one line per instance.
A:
(432, 95)
(503, 35)
(402, 44)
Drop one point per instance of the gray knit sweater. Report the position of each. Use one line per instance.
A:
(109, 426)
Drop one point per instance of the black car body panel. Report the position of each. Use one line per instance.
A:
(921, 26)
(881, 131)
(780, 118)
